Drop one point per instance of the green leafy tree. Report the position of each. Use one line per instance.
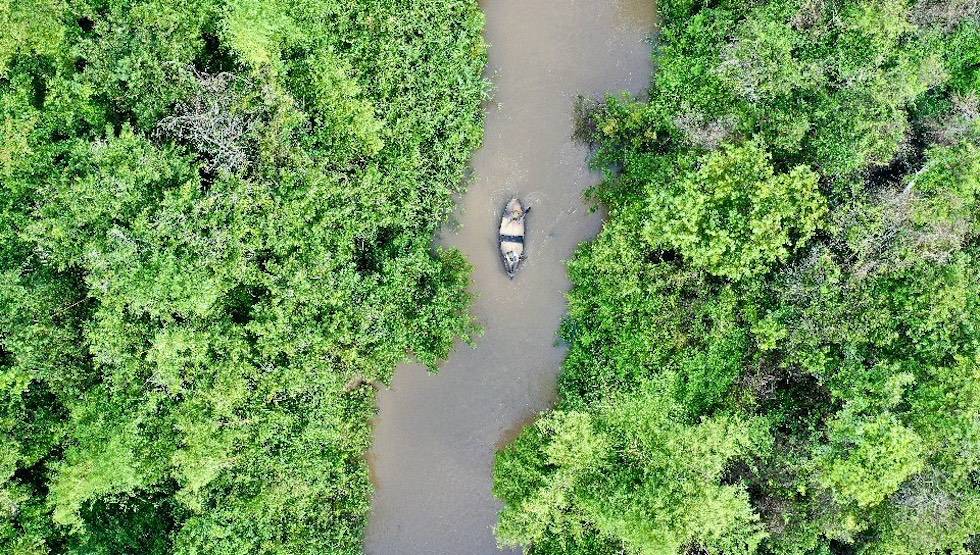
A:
(632, 476)
(734, 216)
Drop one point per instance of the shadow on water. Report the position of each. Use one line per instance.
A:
(435, 435)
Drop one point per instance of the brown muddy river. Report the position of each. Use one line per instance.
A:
(436, 434)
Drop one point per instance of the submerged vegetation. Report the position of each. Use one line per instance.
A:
(217, 222)
(775, 340)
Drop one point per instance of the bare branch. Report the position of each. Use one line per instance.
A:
(215, 122)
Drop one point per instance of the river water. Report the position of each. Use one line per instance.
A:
(435, 434)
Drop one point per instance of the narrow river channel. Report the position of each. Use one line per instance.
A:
(435, 435)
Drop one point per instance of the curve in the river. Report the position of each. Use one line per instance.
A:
(435, 435)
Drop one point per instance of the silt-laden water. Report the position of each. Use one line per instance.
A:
(435, 435)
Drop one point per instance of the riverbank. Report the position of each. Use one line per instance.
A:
(435, 435)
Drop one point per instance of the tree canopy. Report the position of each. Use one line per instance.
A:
(217, 226)
(775, 339)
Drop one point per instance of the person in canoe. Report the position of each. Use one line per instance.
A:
(511, 236)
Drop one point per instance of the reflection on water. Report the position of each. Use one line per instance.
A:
(435, 435)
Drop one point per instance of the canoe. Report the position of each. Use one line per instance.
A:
(510, 237)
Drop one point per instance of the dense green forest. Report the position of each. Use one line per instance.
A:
(775, 339)
(217, 222)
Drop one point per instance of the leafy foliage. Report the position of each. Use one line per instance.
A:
(774, 341)
(217, 216)
(733, 216)
(585, 486)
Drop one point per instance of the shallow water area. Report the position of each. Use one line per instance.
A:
(435, 435)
